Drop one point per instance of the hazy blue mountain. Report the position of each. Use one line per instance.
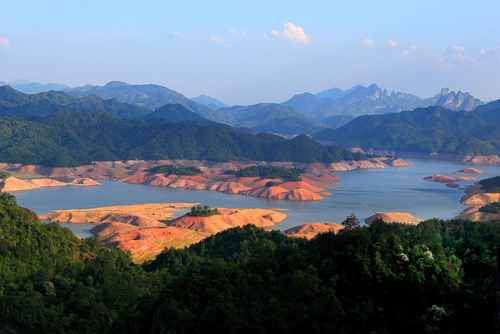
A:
(210, 102)
(176, 112)
(271, 118)
(310, 105)
(337, 121)
(356, 101)
(149, 96)
(336, 93)
(431, 129)
(458, 101)
(13, 102)
(27, 87)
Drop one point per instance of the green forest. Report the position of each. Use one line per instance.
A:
(205, 211)
(432, 129)
(437, 277)
(491, 185)
(170, 169)
(269, 172)
(67, 138)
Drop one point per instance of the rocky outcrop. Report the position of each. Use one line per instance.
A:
(475, 215)
(146, 229)
(480, 199)
(230, 218)
(309, 231)
(469, 171)
(394, 217)
(12, 184)
(447, 179)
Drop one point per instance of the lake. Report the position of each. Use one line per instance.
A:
(364, 192)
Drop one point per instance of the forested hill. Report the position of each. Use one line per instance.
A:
(270, 118)
(432, 129)
(436, 277)
(150, 96)
(68, 138)
(13, 102)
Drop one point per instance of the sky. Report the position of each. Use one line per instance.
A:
(245, 52)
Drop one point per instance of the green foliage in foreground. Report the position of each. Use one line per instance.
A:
(271, 172)
(68, 138)
(436, 277)
(491, 208)
(491, 185)
(205, 211)
(4, 174)
(170, 169)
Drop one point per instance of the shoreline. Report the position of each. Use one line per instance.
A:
(317, 178)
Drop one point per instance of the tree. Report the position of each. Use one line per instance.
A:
(351, 223)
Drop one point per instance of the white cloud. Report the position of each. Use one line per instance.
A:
(236, 32)
(414, 47)
(219, 41)
(4, 42)
(293, 33)
(459, 49)
(404, 53)
(425, 49)
(391, 44)
(483, 51)
(367, 43)
(178, 34)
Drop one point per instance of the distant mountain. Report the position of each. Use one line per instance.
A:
(336, 93)
(13, 102)
(27, 87)
(458, 101)
(310, 105)
(149, 96)
(271, 118)
(357, 101)
(209, 102)
(432, 129)
(176, 112)
(337, 121)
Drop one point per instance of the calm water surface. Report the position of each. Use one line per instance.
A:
(364, 192)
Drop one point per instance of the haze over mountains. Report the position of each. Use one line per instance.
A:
(373, 100)
(302, 114)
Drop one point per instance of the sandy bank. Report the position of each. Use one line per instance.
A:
(309, 231)
(147, 229)
(11, 184)
(394, 217)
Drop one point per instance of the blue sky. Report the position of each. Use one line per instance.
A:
(244, 52)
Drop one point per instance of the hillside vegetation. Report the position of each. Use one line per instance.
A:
(432, 129)
(436, 277)
(68, 138)
(270, 118)
(16, 103)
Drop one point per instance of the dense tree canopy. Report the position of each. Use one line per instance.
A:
(68, 138)
(432, 129)
(436, 277)
(170, 169)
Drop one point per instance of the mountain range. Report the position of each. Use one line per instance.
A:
(210, 102)
(28, 87)
(270, 118)
(431, 129)
(149, 96)
(69, 138)
(361, 100)
(44, 104)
